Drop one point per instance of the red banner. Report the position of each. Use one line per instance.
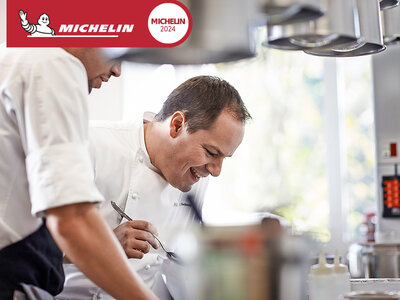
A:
(82, 23)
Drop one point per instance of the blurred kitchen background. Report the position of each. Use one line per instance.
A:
(309, 152)
(321, 151)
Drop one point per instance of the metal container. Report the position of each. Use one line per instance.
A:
(381, 260)
(372, 260)
(354, 258)
(288, 262)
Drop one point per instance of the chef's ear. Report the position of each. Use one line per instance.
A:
(176, 124)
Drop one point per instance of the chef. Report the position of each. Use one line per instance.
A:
(47, 193)
(147, 166)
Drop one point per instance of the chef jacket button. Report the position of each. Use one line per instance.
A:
(140, 159)
(147, 267)
(96, 294)
(176, 204)
(135, 196)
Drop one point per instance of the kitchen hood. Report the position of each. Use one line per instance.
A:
(290, 11)
(371, 34)
(391, 25)
(385, 4)
(224, 30)
(339, 25)
(221, 32)
(281, 36)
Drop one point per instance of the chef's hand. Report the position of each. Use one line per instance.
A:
(136, 238)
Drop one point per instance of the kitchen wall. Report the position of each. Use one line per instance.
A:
(386, 67)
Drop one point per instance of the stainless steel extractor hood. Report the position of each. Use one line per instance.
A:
(290, 11)
(222, 30)
(281, 36)
(391, 25)
(386, 4)
(220, 33)
(371, 34)
(339, 26)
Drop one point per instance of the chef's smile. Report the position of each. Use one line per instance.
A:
(196, 175)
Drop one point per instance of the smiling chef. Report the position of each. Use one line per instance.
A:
(147, 166)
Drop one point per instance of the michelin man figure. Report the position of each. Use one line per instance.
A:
(40, 29)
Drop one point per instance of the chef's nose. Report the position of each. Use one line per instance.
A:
(214, 167)
(116, 69)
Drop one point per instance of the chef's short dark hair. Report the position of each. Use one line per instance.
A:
(202, 99)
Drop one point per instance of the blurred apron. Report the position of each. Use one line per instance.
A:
(35, 260)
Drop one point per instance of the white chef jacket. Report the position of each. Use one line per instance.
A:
(44, 158)
(125, 175)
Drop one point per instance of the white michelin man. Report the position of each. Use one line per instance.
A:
(40, 29)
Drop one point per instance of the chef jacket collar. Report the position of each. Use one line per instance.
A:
(147, 117)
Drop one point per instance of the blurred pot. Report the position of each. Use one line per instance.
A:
(288, 262)
(375, 260)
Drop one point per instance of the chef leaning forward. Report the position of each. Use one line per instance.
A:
(47, 193)
(145, 166)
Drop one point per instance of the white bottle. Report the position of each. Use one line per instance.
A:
(321, 280)
(342, 277)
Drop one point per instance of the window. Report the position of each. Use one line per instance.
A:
(356, 96)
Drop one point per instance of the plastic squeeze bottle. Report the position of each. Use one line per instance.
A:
(321, 280)
(342, 277)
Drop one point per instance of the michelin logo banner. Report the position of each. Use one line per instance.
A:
(77, 23)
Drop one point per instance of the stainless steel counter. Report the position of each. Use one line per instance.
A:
(376, 284)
